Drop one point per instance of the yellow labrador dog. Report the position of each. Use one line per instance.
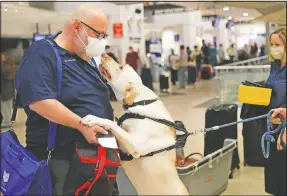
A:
(150, 175)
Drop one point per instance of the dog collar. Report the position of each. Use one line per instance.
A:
(144, 102)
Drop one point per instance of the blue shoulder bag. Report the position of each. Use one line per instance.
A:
(21, 172)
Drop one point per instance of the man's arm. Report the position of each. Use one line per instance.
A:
(36, 85)
(55, 111)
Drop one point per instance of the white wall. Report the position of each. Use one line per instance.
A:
(185, 24)
(20, 21)
(136, 28)
(168, 41)
(247, 33)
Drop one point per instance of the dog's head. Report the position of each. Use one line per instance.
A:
(122, 78)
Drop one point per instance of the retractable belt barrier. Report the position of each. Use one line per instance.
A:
(266, 136)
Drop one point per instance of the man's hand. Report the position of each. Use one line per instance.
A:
(90, 133)
(91, 120)
(279, 147)
(274, 119)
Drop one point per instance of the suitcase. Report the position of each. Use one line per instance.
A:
(219, 115)
(163, 82)
(252, 132)
(207, 72)
(191, 75)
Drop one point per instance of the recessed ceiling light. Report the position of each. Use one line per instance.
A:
(245, 14)
(5, 10)
(229, 18)
(226, 8)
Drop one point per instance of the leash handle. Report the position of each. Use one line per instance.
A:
(271, 130)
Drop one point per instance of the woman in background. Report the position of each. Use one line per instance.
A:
(275, 167)
(182, 67)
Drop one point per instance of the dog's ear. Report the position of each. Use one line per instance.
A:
(130, 94)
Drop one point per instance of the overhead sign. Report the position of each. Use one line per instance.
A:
(173, 10)
(118, 30)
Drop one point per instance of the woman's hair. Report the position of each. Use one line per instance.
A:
(281, 32)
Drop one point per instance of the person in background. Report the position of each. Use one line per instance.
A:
(247, 51)
(191, 69)
(231, 52)
(262, 50)
(172, 60)
(205, 52)
(275, 166)
(188, 52)
(146, 74)
(246, 48)
(198, 59)
(109, 52)
(221, 54)
(9, 69)
(253, 51)
(182, 67)
(213, 55)
(133, 59)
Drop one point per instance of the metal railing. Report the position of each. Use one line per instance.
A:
(256, 61)
(228, 79)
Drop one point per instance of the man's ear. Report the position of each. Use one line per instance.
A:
(130, 94)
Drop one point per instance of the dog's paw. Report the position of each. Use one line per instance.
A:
(91, 120)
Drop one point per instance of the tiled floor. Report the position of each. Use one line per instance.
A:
(189, 109)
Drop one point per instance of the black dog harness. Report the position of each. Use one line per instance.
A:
(178, 125)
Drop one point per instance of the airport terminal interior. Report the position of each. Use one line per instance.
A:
(197, 57)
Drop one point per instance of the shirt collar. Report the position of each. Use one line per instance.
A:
(61, 50)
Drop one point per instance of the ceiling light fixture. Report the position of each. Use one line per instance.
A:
(229, 18)
(245, 14)
(226, 8)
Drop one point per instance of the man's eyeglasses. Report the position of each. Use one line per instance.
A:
(99, 34)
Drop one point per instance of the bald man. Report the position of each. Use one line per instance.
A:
(83, 90)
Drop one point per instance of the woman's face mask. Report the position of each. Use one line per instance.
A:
(277, 52)
(95, 46)
(277, 47)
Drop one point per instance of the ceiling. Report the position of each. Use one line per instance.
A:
(234, 10)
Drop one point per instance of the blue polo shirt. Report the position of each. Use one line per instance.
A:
(277, 82)
(83, 92)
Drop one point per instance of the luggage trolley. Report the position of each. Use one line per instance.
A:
(208, 176)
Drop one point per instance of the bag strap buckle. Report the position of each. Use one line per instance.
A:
(49, 155)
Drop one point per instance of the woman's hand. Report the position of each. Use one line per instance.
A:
(274, 119)
(279, 147)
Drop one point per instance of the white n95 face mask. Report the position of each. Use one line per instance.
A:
(277, 52)
(95, 46)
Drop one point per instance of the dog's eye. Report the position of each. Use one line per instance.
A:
(121, 67)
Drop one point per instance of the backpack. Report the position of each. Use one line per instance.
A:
(92, 171)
